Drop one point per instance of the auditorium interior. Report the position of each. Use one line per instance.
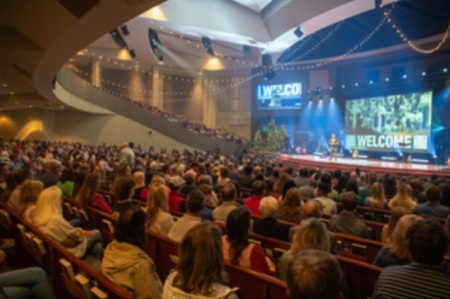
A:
(230, 76)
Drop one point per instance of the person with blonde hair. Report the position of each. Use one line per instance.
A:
(311, 235)
(403, 198)
(388, 228)
(88, 196)
(158, 218)
(48, 217)
(377, 198)
(27, 199)
(139, 184)
(200, 269)
(396, 251)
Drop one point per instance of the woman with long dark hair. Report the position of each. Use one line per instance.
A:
(125, 261)
(237, 247)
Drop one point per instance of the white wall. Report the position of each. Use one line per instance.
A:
(70, 125)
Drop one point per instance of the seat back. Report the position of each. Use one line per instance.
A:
(252, 284)
(164, 253)
(360, 277)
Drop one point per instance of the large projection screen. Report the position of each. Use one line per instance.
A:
(388, 123)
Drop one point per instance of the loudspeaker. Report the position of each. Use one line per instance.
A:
(267, 67)
(125, 30)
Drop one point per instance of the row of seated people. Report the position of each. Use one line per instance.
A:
(130, 192)
(88, 195)
(364, 273)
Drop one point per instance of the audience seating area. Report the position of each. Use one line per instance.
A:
(70, 276)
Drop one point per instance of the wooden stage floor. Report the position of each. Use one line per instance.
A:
(381, 166)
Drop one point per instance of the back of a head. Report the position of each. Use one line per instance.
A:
(228, 192)
(378, 191)
(311, 209)
(53, 166)
(238, 225)
(29, 194)
(48, 205)
(303, 172)
(293, 198)
(122, 188)
(130, 227)
(189, 178)
(427, 241)
(195, 201)
(248, 170)
(139, 178)
(268, 207)
(258, 188)
(325, 188)
(325, 178)
(349, 201)
(157, 197)
(201, 260)
(314, 274)
(352, 185)
(311, 234)
(433, 194)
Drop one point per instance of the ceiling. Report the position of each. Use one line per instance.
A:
(38, 37)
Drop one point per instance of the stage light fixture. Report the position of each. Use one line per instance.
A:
(298, 32)
(424, 73)
(207, 45)
(154, 44)
(445, 70)
(117, 37)
(405, 76)
(387, 79)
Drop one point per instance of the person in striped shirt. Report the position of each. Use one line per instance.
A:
(426, 276)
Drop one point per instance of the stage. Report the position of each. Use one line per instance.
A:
(348, 164)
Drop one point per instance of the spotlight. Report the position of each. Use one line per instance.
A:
(356, 84)
(405, 76)
(298, 32)
(387, 79)
(155, 43)
(445, 70)
(371, 82)
(206, 41)
(343, 86)
(424, 73)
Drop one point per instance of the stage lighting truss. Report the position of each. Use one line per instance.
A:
(321, 94)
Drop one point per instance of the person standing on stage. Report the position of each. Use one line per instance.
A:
(334, 142)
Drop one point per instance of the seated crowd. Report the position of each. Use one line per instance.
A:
(213, 205)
